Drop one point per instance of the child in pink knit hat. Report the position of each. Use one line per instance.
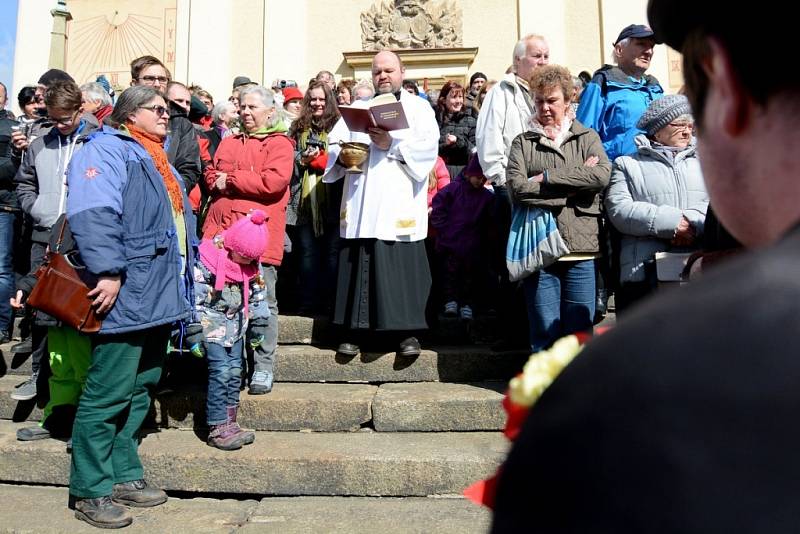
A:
(229, 289)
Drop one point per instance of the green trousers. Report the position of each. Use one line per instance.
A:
(124, 371)
(70, 355)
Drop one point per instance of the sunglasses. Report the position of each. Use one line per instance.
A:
(158, 110)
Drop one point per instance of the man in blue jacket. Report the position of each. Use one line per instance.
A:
(618, 95)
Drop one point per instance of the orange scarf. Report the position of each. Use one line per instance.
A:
(155, 147)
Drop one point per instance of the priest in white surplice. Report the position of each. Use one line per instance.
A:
(384, 278)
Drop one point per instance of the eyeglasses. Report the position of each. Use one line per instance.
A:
(682, 126)
(65, 121)
(151, 80)
(158, 110)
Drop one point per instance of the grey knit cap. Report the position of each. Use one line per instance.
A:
(663, 111)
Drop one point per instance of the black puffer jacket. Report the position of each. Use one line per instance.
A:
(183, 152)
(461, 125)
(8, 167)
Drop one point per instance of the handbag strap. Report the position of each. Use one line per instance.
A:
(61, 235)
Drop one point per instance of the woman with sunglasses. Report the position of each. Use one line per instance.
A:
(130, 219)
(656, 199)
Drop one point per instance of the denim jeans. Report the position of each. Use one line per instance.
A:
(7, 284)
(262, 354)
(561, 301)
(224, 379)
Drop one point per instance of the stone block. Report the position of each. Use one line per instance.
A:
(439, 407)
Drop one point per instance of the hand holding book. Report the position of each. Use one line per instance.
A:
(384, 112)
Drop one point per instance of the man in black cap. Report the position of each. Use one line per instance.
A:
(683, 419)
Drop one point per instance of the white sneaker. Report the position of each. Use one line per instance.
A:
(451, 308)
(466, 313)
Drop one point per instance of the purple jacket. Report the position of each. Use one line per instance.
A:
(461, 216)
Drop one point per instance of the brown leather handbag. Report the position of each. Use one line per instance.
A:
(61, 288)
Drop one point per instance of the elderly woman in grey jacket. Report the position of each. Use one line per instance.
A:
(656, 198)
(559, 165)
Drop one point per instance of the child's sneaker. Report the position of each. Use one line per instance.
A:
(466, 313)
(451, 308)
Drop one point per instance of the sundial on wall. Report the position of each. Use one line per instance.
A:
(105, 35)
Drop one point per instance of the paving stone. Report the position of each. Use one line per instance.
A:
(433, 406)
(297, 515)
(43, 510)
(286, 463)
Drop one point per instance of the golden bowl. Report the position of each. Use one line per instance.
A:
(353, 156)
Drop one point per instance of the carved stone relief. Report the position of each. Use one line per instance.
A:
(407, 24)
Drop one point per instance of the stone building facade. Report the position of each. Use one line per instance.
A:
(209, 42)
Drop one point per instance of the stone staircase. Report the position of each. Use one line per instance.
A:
(376, 425)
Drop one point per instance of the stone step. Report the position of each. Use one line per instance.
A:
(423, 407)
(446, 364)
(295, 329)
(285, 463)
(301, 330)
(43, 510)
(307, 363)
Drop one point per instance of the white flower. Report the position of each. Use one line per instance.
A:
(540, 371)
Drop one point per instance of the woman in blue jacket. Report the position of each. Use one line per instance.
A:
(131, 220)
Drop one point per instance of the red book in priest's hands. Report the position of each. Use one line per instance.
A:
(384, 112)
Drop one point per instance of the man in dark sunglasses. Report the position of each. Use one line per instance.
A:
(181, 144)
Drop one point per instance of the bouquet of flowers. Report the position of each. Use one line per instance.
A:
(524, 390)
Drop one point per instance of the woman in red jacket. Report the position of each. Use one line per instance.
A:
(251, 171)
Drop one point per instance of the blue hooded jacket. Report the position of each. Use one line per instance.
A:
(612, 104)
(121, 218)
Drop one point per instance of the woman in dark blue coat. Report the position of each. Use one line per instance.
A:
(131, 220)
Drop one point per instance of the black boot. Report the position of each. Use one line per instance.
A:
(102, 513)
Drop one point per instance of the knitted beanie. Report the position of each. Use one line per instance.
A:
(476, 76)
(102, 80)
(248, 236)
(663, 111)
